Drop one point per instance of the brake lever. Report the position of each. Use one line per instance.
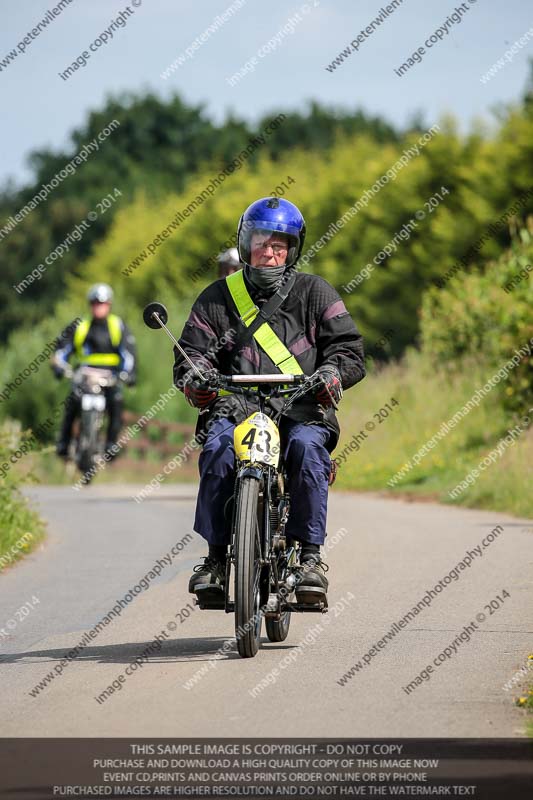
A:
(333, 401)
(315, 385)
(305, 387)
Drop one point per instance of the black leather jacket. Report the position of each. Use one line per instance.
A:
(314, 325)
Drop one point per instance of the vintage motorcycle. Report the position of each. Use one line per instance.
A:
(263, 561)
(88, 442)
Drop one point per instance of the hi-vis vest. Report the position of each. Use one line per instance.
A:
(98, 359)
(264, 335)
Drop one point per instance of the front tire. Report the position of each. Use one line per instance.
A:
(90, 425)
(248, 615)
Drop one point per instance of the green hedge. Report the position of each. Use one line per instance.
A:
(487, 316)
(20, 526)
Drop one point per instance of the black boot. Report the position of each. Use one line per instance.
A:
(210, 575)
(114, 410)
(111, 450)
(311, 582)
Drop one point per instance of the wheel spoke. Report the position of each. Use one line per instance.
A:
(255, 587)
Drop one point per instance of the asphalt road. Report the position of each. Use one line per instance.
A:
(387, 554)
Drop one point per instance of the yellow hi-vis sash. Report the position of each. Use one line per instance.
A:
(264, 335)
(98, 359)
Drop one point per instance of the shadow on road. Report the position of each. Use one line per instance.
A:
(126, 652)
(120, 499)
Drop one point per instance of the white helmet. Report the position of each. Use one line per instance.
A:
(100, 293)
(230, 258)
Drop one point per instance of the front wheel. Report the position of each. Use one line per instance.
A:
(90, 424)
(248, 615)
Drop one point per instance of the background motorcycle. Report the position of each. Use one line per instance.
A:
(88, 442)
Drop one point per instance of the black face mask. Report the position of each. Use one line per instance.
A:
(265, 278)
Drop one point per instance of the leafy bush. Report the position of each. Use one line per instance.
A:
(20, 526)
(486, 316)
(34, 397)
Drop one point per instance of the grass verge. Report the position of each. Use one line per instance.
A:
(376, 444)
(525, 701)
(21, 528)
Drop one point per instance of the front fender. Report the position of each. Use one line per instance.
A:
(251, 471)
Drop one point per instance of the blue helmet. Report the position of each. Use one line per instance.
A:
(272, 214)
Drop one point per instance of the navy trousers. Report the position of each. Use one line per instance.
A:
(308, 466)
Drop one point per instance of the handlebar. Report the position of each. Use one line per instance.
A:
(245, 385)
(101, 376)
(253, 380)
(266, 385)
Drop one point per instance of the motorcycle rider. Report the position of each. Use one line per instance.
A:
(103, 341)
(317, 336)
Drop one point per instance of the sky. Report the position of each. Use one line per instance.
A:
(287, 46)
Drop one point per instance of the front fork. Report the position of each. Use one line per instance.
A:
(273, 546)
(266, 475)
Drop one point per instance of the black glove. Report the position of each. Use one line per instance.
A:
(330, 393)
(197, 391)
